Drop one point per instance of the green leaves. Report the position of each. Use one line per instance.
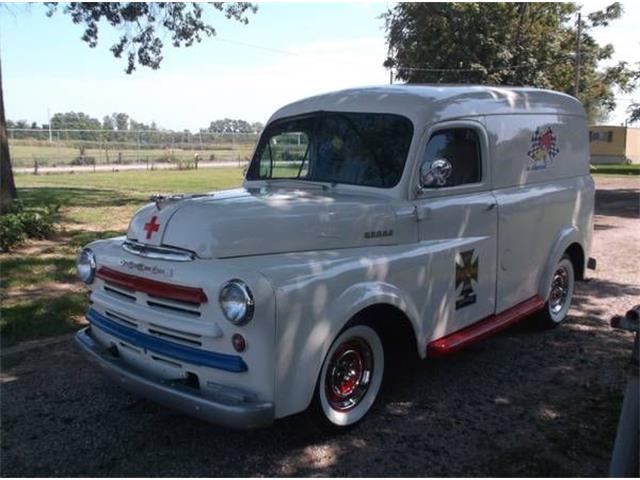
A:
(519, 44)
(145, 23)
(20, 224)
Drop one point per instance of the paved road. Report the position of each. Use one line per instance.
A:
(524, 403)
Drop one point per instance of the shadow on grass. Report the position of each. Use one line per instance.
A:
(41, 317)
(30, 270)
(77, 197)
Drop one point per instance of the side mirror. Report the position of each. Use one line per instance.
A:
(435, 174)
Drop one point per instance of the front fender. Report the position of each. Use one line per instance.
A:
(303, 344)
(366, 294)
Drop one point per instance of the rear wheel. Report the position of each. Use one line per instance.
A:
(560, 293)
(351, 376)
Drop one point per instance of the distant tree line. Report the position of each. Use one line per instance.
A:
(122, 128)
(230, 125)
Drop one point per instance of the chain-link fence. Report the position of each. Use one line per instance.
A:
(33, 149)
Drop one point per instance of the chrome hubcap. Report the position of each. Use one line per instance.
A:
(349, 374)
(559, 290)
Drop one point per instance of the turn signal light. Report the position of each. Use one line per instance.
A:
(239, 343)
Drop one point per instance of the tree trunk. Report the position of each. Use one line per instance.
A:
(7, 185)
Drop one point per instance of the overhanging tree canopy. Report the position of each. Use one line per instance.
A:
(516, 44)
(140, 43)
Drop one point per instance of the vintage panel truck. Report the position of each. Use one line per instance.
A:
(430, 215)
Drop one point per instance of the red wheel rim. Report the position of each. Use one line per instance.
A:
(348, 374)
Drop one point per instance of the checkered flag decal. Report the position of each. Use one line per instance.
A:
(543, 141)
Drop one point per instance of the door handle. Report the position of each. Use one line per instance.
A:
(491, 206)
(423, 213)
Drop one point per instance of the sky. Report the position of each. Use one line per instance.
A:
(287, 51)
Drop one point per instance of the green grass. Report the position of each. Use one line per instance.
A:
(613, 169)
(31, 270)
(23, 153)
(93, 206)
(139, 181)
(97, 201)
(41, 317)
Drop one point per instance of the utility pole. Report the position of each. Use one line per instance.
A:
(390, 76)
(576, 85)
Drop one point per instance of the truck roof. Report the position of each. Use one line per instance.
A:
(430, 103)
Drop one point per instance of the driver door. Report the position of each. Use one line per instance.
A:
(458, 213)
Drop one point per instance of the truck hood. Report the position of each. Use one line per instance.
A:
(266, 220)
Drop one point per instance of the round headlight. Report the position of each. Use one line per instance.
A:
(236, 302)
(86, 265)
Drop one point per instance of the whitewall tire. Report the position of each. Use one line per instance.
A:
(560, 293)
(351, 376)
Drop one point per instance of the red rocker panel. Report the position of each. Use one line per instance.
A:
(152, 287)
(483, 329)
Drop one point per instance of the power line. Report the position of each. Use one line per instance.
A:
(259, 47)
(479, 68)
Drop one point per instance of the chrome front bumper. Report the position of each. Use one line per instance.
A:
(221, 411)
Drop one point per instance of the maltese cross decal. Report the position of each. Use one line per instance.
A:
(466, 275)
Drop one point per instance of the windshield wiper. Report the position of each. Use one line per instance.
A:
(305, 183)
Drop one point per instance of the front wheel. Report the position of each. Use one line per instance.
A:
(560, 293)
(351, 376)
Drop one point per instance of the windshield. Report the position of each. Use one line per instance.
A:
(368, 149)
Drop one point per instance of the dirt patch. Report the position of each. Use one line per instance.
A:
(37, 247)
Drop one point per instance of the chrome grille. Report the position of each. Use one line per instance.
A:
(159, 253)
(159, 331)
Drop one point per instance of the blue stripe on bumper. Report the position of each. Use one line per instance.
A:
(195, 356)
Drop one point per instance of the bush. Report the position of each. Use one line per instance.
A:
(167, 158)
(83, 160)
(21, 223)
(185, 165)
(37, 224)
(11, 231)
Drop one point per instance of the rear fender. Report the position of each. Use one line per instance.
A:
(565, 238)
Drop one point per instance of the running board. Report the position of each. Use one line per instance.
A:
(483, 328)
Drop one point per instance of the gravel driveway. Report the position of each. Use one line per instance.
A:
(524, 403)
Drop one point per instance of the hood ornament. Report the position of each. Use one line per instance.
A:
(160, 200)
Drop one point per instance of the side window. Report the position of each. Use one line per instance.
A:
(285, 156)
(452, 157)
(601, 136)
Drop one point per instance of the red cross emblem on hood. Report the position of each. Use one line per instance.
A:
(151, 226)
